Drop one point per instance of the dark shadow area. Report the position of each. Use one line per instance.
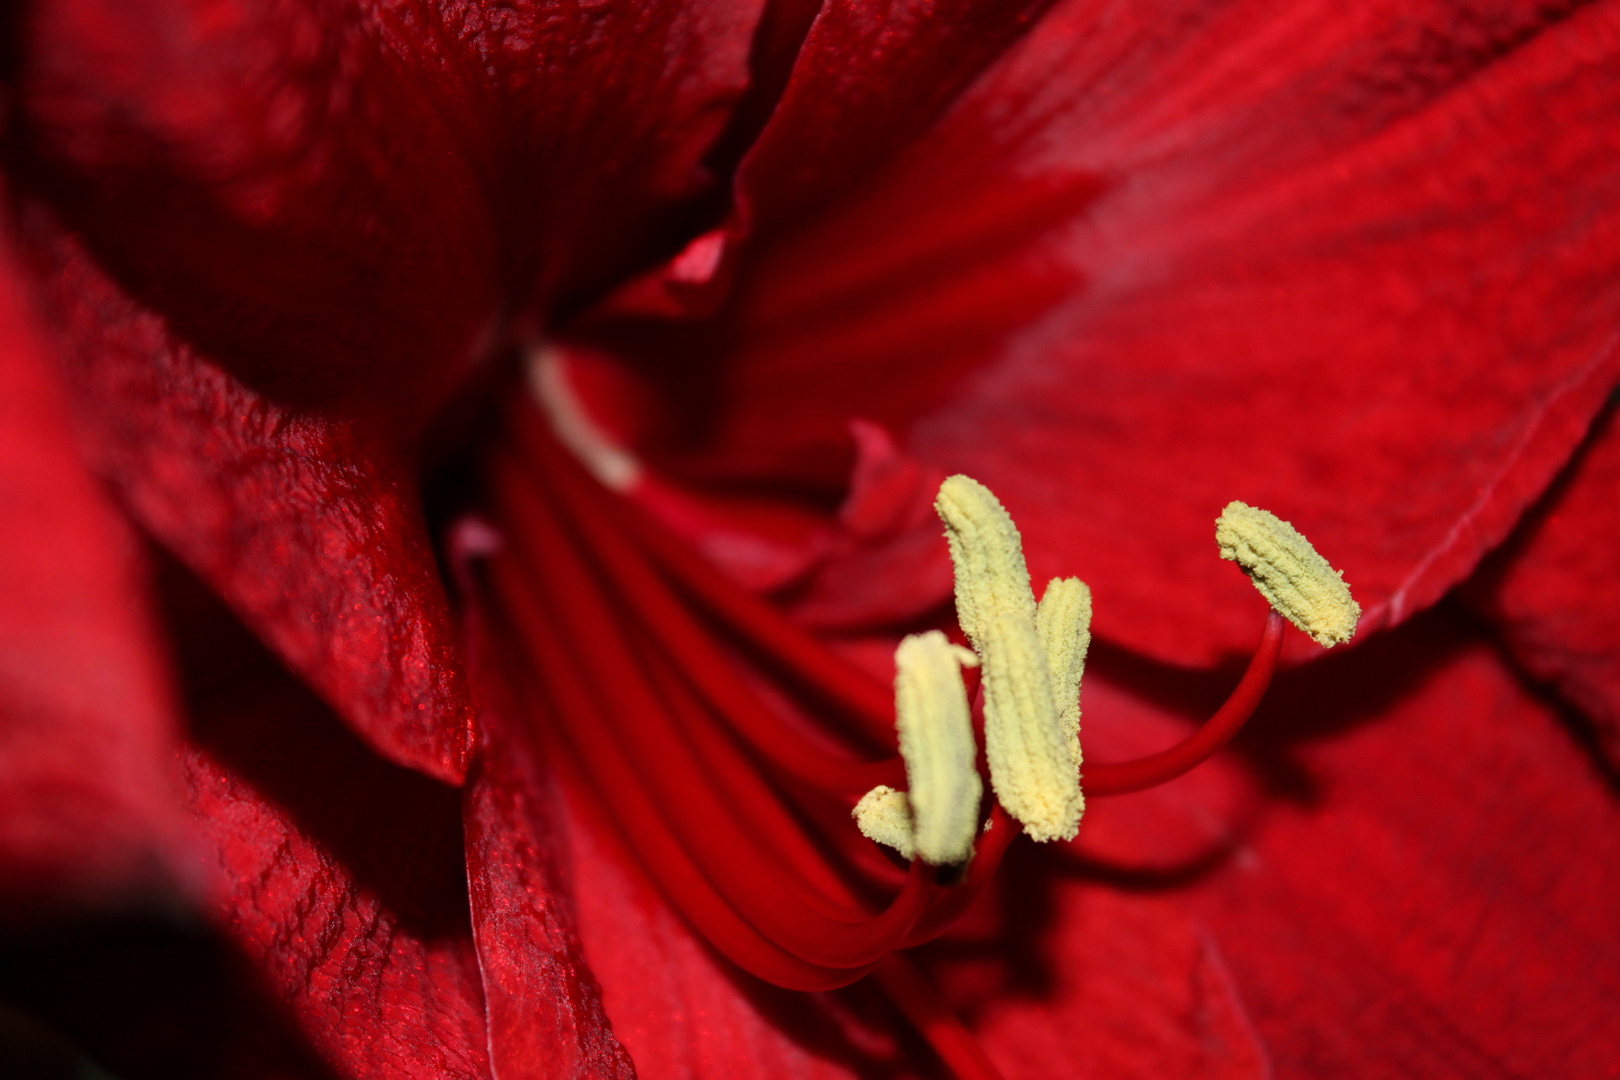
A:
(143, 999)
(395, 832)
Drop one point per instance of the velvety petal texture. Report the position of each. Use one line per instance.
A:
(1430, 893)
(1548, 588)
(346, 202)
(88, 793)
(1154, 259)
(309, 525)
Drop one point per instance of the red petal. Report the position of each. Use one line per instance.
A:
(1551, 588)
(1082, 980)
(309, 526)
(1435, 897)
(543, 1007)
(89, 805)
(867, 78)
(1155, 260)
(343, 200)
(340, 877)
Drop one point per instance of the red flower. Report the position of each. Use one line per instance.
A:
(268, 264)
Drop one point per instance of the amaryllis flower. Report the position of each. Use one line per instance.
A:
(467, 467)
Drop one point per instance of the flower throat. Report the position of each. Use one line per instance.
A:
(659, 685)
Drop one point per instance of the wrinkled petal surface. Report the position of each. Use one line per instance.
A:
(1154, 259)
(344, 202)
(308, 525)
(88, 797)
(339, 877)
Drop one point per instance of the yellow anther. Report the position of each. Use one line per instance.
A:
(936, 741)
(884, 815)
(1289, 573)
(1031, 766)
(1032, 762)
(988, 556)
(1063, 620)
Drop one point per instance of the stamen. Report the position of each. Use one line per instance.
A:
(1032, 767)
(1123, 777)
(936, 741)
(1063, 620)
(1288, 572)
(656, 671)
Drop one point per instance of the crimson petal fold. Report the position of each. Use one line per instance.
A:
(1156, 258)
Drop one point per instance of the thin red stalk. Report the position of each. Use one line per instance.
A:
(1121, 777)
(563, 576)
(761, 883)
(757, 806)
(712, 673)
(958, 1049)
(822, 671)
(619, 792)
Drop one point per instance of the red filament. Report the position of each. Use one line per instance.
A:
(643, 666)
(1119, 778)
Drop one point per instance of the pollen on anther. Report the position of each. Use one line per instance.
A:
(884, 816)
(1032, 764)
(1063, 621)
(1297, 581)
(936, 742)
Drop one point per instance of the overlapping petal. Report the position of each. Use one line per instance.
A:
(308, 524)
(346, 202)
(88, 810)
(1154, 259)
(1546, 589)
(542, 1004)
(337, 875)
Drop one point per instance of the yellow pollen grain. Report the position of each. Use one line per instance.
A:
(884, 816)
(936, 741)
(988, 556)
(1063, 621)
(1289, 573)
(1032, 766)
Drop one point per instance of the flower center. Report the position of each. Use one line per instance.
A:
(729, 748)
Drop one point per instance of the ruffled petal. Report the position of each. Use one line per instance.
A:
(1551, 589)
(89, 803)
(1154, 260)
(345, 201)
(1431, 892)
(339, 877)
(308, 525)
